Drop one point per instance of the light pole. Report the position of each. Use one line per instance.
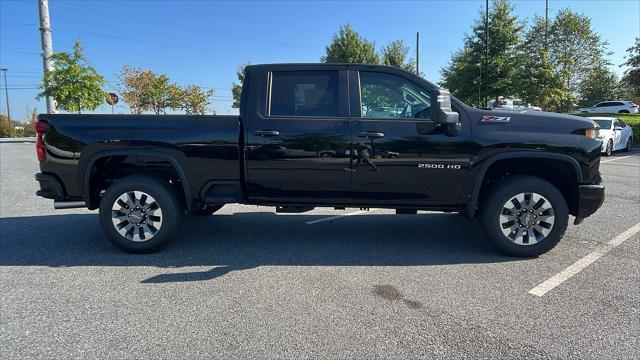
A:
(479, 83)
(47, 49)
(6, 94)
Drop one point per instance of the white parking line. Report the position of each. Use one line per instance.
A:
(624, 164)
(336, 217)
(579, 265)
(619, 158)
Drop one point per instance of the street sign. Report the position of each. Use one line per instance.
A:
(112, 99)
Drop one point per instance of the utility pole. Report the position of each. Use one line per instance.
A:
(418, 53)
(486, 41)
(546, 26)
(6, 94)
(47, 48)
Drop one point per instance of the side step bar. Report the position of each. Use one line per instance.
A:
(62, 204)
(293, 209)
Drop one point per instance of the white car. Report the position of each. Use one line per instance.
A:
(513, 105)
(621, 107)
(614, 133)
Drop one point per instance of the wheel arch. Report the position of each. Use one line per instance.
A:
(484, 173)
(90, 163)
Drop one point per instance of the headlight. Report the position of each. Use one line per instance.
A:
(592, 133)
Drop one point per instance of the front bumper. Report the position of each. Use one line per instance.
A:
(590, 198)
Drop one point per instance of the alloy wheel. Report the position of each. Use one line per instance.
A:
(137, 216)
(527, 218)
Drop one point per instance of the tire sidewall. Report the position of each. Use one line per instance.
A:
(164, 196)
(504, 191)
(609, 149)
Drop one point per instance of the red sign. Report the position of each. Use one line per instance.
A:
(112, 99)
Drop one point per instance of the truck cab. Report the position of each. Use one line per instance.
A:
(363, 135)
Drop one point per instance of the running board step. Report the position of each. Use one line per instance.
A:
(406, 211)
(293, 209)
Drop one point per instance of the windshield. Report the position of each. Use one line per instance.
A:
(604, 124)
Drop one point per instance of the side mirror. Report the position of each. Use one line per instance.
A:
(441, 111)
(617, 128)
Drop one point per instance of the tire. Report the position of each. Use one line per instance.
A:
(609, 149)
(629, 144)
(548, 221)
(150, 200)
(205, 210)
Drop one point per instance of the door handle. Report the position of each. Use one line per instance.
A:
(266, 133)
(371, 134)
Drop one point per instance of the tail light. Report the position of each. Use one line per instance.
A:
(41, 128)
(634, 105)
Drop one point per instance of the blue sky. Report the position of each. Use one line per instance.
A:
(202, 42)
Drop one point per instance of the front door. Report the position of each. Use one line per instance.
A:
(400, 156)
(297, 146)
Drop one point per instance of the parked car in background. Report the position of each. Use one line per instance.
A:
(614, 133)
(621, 107)
(513, 105)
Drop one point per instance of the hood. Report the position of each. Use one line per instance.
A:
(538, 121)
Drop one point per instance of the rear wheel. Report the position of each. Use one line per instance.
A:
(609, 149)
(524, 215)
(623, 112)
(141, 213)
(629, 144)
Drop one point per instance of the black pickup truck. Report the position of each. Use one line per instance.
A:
(327, 135)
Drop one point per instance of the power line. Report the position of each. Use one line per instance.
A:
(186, 28)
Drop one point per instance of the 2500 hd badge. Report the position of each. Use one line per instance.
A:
(440, 166)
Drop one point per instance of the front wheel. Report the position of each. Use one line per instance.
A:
(524, 215)
(141, 213)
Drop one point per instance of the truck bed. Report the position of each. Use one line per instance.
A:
(205, 146)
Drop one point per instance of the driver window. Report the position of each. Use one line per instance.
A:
(389, 96)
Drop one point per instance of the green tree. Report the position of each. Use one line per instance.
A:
(5, 126)
(540, 84)
(195, 100)
(631, 79)
(489, 71)
(144, 90)
(395, 54)
(236, 89)
(574, 49)
(600, 84)
(463, 77)
(347, 46)
(73, 83)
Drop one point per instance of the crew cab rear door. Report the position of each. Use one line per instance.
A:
(400, 156)
(297, 143)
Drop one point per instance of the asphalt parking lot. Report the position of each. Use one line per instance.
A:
(247, 282)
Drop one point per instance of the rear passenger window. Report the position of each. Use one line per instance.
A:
(304, 93)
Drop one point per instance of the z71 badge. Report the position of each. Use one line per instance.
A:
(495, 119)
